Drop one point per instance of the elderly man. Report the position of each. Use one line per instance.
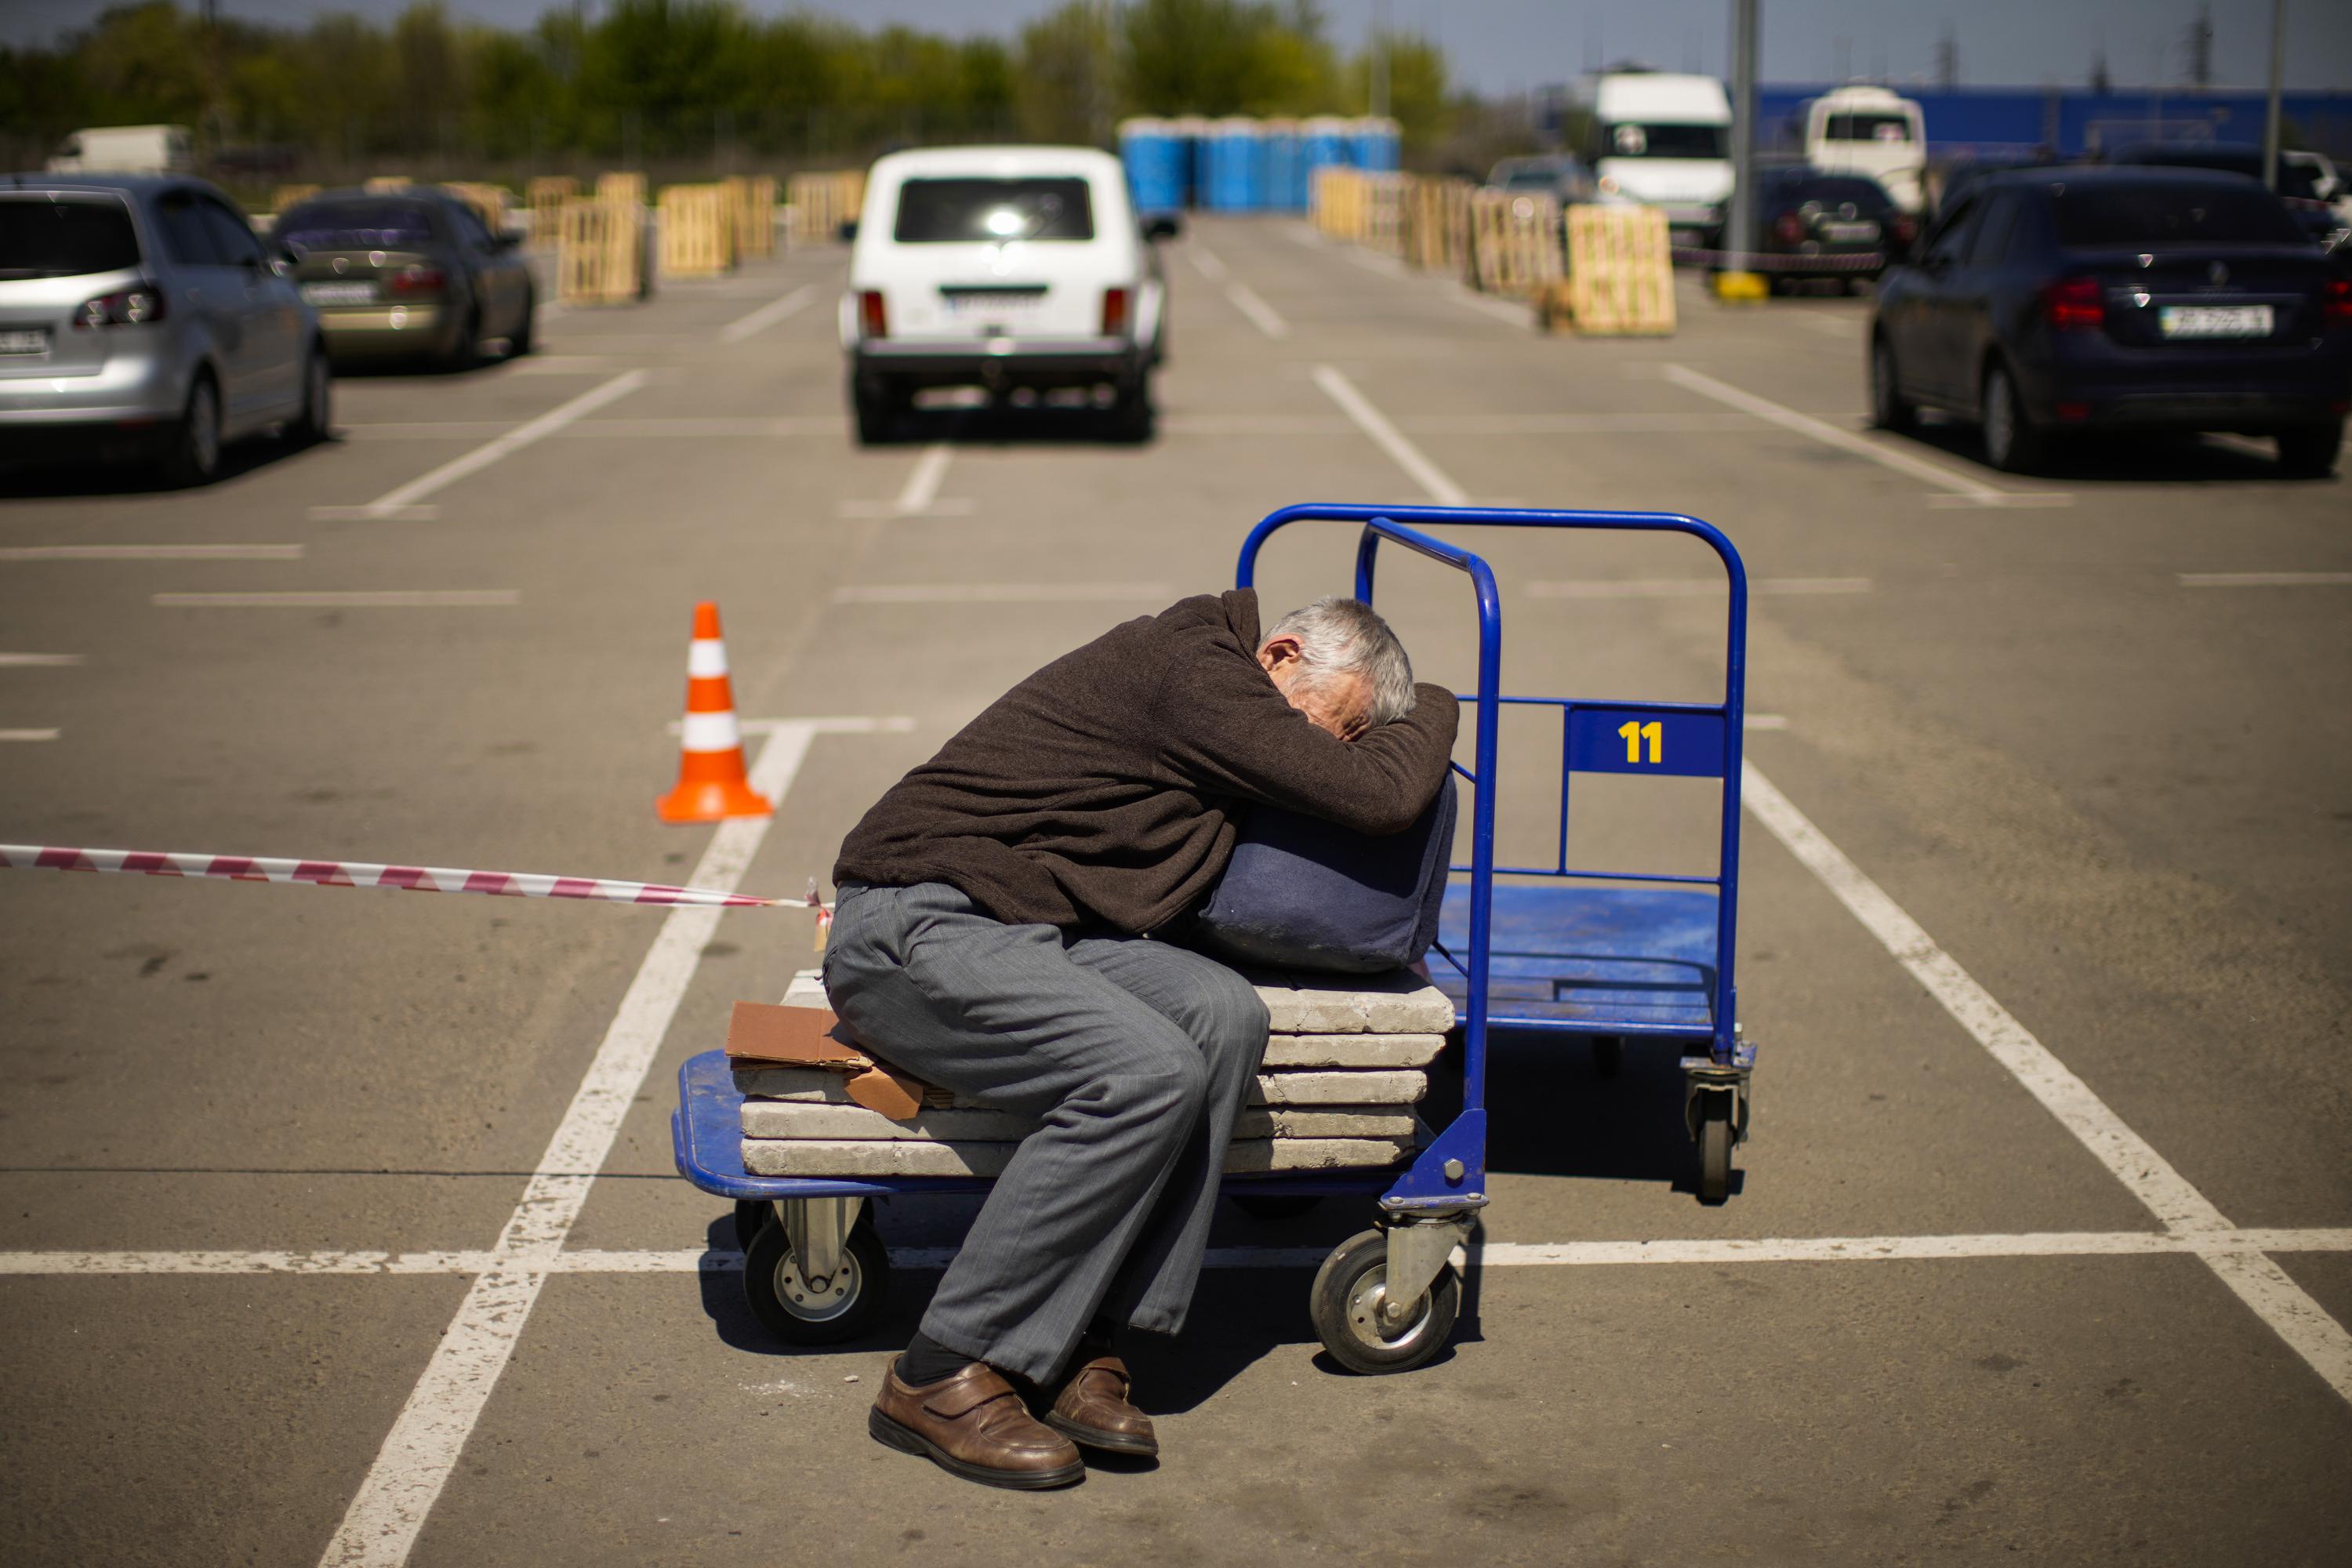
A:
(1001, 929)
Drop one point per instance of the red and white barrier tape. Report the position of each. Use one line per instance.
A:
(409, 878)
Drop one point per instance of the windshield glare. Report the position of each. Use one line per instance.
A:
(992, 211)
(1630, 140)
(46, 238)
(356, 226)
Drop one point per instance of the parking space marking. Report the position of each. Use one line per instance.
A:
(1206, 262)
(151, 552)
(2177, 1205)
(919, 497)
(999, 593)
(1693, 587)
(1263, 316)
(38, 660)
(2265, 579)
(766, 315)
(29, 734)
(1966, 491)
(422, 1448)
(396, 502)
(863, 724)
(347, 599)
(1569, 423)
(1374, 423)
(1709, 1250)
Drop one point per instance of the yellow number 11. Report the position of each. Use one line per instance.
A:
(1635, 732)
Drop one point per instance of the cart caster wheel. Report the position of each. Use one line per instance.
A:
(1270, 1206)
(1608, 1056)
(751, 1213)
(1714, 1148)
(1347, 1304)
(839, 1309)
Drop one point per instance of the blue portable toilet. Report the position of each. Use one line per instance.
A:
(1155, 165)
(1190, 136)
(1376, 141)
(1323, 142)
(1279, 185)
(1233, 164)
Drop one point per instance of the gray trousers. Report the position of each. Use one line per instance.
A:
(1138, 1057)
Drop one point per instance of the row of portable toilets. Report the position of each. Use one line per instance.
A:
(1239, 165)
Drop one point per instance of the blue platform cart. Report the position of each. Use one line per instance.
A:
(1574, 953)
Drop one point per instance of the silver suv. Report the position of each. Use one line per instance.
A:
(140, 317)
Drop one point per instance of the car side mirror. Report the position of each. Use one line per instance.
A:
(848, 230)
(1162, 225)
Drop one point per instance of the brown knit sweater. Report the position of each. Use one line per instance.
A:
(1104, 787)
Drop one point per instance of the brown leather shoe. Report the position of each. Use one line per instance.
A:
(973, 1424)
(1092, 1408)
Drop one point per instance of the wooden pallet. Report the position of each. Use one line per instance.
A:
(1621, 271)
(1437, 224)
(600, 252)
(698, 232)
(752, 211)
(823, 200)
(545, 196)
(1514, 241)
(621, 185)
(489, 202)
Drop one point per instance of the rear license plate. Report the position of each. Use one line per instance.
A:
(36, 342)
(339, 293)
(2214, 320)
(993, 305)
(1849, 233)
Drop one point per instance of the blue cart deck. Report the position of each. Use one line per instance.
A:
(1579, 960)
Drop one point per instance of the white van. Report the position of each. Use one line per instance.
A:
(125, 150)
(1661, 140)
(1023, 270)
(1869, 131)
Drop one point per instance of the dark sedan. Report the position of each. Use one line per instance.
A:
(2298, 184)
(1810, 224)
(408, 273)
(2076, 299)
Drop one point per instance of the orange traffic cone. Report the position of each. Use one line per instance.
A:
(712, 779)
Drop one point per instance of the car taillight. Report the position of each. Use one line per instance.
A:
(2336, 303)
(1788, 228)
(417, 281)
(130, 308)
(872, 319)
(1114, 316)
(2075, 304)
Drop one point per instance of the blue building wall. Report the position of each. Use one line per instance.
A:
(1987, 121)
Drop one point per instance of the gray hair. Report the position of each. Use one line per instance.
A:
(1339, 635)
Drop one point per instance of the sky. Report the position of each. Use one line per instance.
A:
(1499, 46)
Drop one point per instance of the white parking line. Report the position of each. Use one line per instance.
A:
(402, 501)
(1968, 490)
(1206, 262)
(998, 593)
(38, 660)
(1263, 316)
(422, 1448)
(1693, 587)
(2265, 579)
(766, 315)
(863, 724)
(2178, 1206)
(1568, 424)
(29, 734)
(1710, 1250)
(350, 599)
(151, 552)
(919, 497)
(1374, 423)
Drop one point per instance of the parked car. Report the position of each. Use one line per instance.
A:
(139, 316)
(1010, 268)
(1562, 176)
(2074, 298)
(1810, 224)
(408, 273)
(2298, 182)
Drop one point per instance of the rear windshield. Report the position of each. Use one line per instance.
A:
(1868, 128)
(2187, 213)
(2293, 179)
(40, 237)
(939, 211)
(1630, 140)
(356, 226)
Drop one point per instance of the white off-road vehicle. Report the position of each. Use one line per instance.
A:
(1021, 270)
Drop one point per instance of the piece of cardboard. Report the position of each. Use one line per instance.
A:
(803, 1037)
(893, 1094)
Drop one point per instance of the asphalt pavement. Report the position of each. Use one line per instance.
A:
(343, 1227)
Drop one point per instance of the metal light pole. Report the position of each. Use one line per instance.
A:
(1743, 135)
(2278, 75)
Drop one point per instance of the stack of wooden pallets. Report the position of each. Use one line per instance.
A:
(1347, 1060)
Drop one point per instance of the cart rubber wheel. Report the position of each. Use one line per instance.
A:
(1608, 1056)
(750, 1214)
(1346, 1307)
(787, 1308)
(1714, 1148)
(1275, 1205)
